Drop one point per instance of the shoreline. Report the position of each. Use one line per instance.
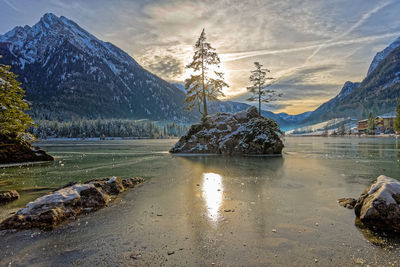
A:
(100, 139)
(346, 136)
(9, 165)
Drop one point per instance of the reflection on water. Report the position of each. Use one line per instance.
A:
(212, 190)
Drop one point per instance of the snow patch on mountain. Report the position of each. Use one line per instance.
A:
(383, 54)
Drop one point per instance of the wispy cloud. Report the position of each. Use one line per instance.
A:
(241, 55)
(363, 19)
(11, 5)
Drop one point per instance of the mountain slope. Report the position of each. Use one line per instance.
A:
(67, 72)
(377, 93)
(382, 55)
(322, 112)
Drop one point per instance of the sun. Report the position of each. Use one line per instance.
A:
(210, 72)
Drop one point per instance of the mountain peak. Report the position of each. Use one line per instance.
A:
(50, 18)
(52, 32)
(348, 87)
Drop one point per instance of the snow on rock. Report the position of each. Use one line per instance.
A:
(71, 200)
(60, 196)
(112, 179)
(379, 206)
(244, 132)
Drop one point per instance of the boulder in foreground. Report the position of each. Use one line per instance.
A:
(18, 151)
(50, 210)
(244, 132)
(378, 207)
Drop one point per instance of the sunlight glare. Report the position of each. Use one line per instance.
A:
(212, 194)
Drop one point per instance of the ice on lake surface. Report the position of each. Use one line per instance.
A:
(228, 211)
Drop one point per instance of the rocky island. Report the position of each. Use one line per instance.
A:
(244, 132)
(69, 201)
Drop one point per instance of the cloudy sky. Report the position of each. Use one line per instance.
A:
(311, 46)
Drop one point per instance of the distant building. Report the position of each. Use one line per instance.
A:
(362, 126)
(385, 123)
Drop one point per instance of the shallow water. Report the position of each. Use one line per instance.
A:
(230, 211)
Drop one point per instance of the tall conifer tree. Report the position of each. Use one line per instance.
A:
(206, 82)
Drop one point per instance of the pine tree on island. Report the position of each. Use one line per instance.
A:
(207, 81)
(260, 89)
(13, 121)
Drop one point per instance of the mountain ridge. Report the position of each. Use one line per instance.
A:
(61, 66)
(377, 93)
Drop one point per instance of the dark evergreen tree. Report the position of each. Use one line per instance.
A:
(342, 129)
(206, 82)
(260, 89)
(371, 125)
(396, 126)
(326, 132)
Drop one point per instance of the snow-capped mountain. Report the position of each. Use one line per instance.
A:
(67, 72)
(382, 55)
(32, 44)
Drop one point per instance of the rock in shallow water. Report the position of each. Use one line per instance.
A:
(8, 196)
(13, 151)
(244, 132)
(347, 202)
(69, 201)
(379, 206)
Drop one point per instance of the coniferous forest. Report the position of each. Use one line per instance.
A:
(102, 128)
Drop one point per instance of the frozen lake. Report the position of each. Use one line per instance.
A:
(230, 211)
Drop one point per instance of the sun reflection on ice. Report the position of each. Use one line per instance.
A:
(212, 191)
